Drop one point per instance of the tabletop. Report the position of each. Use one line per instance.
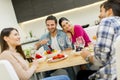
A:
(71, 60)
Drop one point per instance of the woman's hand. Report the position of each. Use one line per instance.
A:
(35, 62)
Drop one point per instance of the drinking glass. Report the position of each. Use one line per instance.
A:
(91, 46)
(80, 40)
(76, 45)
(27, 53)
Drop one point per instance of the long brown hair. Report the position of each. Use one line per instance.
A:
(3, 43)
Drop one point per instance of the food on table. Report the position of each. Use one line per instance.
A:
(58, 56)
(38, 56)
(50, 52)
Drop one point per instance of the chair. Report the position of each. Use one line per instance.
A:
(91, 31)
(117, 53)
(7, 71)
(85, 26)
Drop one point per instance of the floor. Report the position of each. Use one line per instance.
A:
(57, 72)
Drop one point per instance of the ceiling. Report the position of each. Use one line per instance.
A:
(31, 9)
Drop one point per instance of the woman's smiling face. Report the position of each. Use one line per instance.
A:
(66, 25)
(13, 38)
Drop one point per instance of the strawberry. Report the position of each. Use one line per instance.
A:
(55, 57)
(60, 55)
(37, 56)
(48, 52)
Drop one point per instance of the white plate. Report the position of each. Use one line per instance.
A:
(41, 59)
(89, 49)
(76, 53)
(55, 60)
(52, 54)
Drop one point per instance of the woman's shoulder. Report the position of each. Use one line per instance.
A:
(77, 27)
(5, 54)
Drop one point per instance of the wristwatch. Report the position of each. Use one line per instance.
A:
(87, 58)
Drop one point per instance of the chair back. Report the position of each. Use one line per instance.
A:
(117, 54)
(91, 31)
(7, 71)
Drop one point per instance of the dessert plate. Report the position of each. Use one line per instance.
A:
(55, 60)
(41, 59)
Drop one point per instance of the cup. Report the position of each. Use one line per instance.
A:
(80, 41)
(79, 44)
(27, 53)
(77, 47)
(91, 46)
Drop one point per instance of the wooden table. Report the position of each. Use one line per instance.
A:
(71, 60)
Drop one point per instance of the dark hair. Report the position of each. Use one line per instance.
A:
(114, 4)
(62, 19)
(4, 45)
(102, 5)
(51, 17)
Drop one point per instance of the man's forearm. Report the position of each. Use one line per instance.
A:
(37, 45)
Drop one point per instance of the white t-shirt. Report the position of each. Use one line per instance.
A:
(54, 43)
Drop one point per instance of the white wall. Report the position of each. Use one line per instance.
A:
(7, 15)
(84, 15)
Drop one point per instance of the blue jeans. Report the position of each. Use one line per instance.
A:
(69, 70)
(60, 77)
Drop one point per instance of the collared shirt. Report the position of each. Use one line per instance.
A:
(60, 36)
(109, 29)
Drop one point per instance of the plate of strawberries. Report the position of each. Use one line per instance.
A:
(58, 57)
(39, 57)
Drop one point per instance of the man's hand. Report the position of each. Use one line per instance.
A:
(85, 53)
(40, 43)
(43, 42)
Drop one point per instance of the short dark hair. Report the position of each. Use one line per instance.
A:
(51, 17)
(61, 20)
(114, 4)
